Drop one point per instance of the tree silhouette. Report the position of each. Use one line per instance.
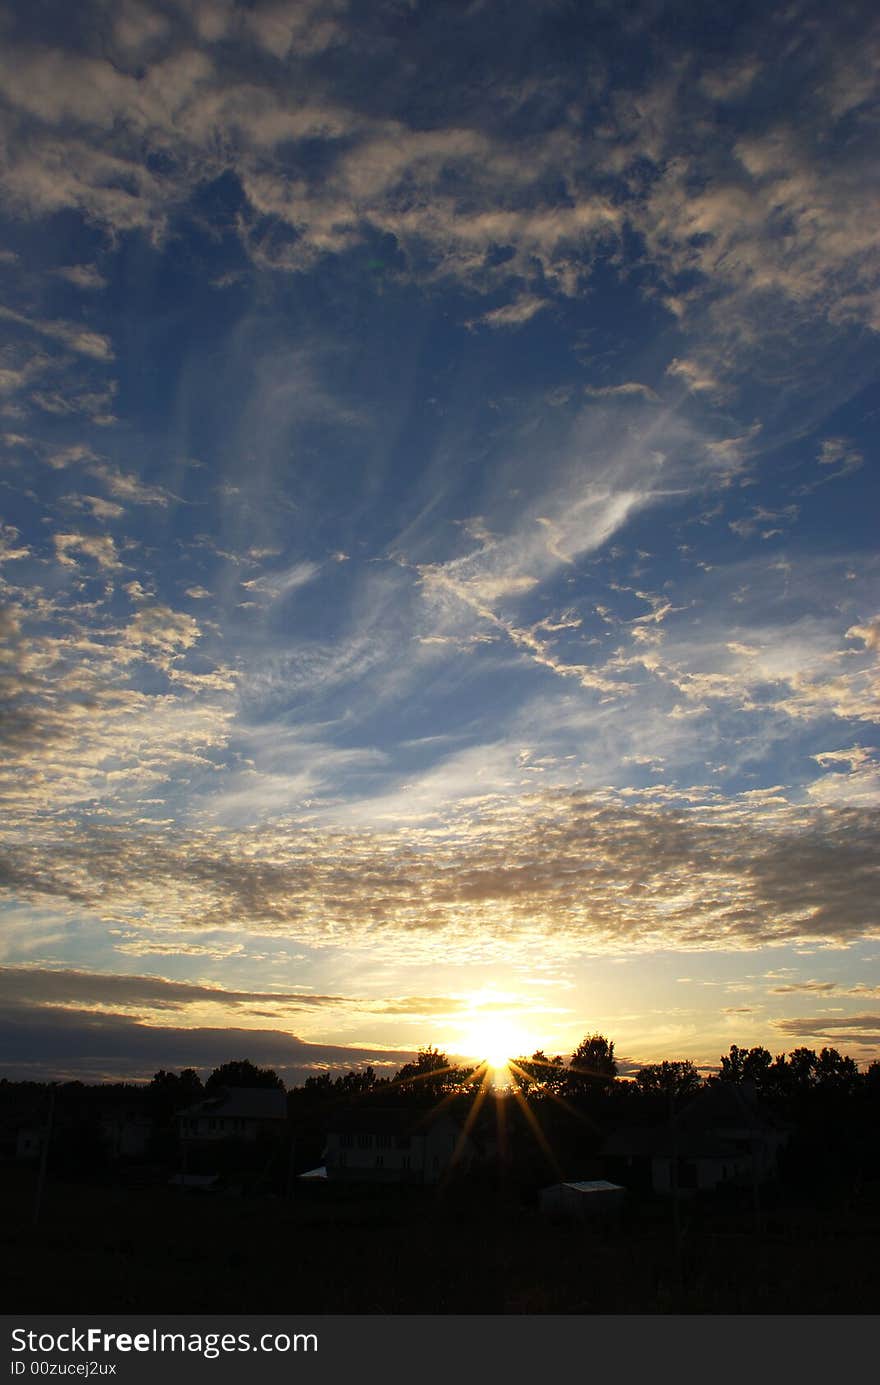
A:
(430, 1077)
(753, 1065)
(170, 1092)
(592, 1068)
(802, 1068)
(539, 1075)
(834, 1072)
(675, 1080)
(243, 1073)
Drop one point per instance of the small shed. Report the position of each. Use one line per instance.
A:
(583, 1200)
(195, 1182)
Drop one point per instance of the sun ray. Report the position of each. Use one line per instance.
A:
(536, 1130)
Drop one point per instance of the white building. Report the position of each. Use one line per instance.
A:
(235, 1113)
(720, 1137)
(394, 1145)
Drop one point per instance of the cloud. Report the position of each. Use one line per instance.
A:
(566, 872)
(759, 662)
(764, 522)
(833, 1029)
(17, 376)
(516, 313)
(77, 399)
(868, 633)
(65, 1044)
(138, 26)
(835, 452)
(78, 728)
(38, 986)
(96, 506)
(125, 486)
(630, 389)
(159, 634)
(100, 548)
(79, 339)
(11, 550)
(697, 378)
(840, 450)
(856, 777)
(738, 211)
(823, 988)
(276, 585)
(82, 276)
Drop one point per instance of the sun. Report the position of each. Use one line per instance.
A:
(494, 1040)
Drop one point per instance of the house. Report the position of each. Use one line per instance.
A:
(29, 1141)
(583, 1201)
(394, 1145)
(720, 1137)
(126, 1129)
(235, 1113)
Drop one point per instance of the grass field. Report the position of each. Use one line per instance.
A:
(343, 1250)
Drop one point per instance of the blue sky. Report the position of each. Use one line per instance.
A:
(439, 566)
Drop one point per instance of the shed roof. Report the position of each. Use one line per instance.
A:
(589, 1187)
(593, 1185)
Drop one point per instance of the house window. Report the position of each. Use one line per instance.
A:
(405, 1162)
(383, 1141)
(212, 1124)
(402, 1142)
(380, 1161)
(365, 1141)
(346, 1141)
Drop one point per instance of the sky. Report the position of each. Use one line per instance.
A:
(438, 564)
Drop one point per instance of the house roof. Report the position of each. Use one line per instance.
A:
(248, 1103)
(664, 1141)
(708, 1126)
(726, 1106)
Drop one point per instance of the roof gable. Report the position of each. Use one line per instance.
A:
(241, 1103)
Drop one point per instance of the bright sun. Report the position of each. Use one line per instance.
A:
(494, 1041)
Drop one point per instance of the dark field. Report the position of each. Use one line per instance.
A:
(346, 1250)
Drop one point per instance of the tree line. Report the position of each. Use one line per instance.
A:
(591, 1071)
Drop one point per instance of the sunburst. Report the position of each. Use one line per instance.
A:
(494, 1040)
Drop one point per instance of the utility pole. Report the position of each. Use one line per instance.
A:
(676, 1209)
(44, 1157)
(291, 1166)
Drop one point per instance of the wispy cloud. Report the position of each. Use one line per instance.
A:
(82, 340)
